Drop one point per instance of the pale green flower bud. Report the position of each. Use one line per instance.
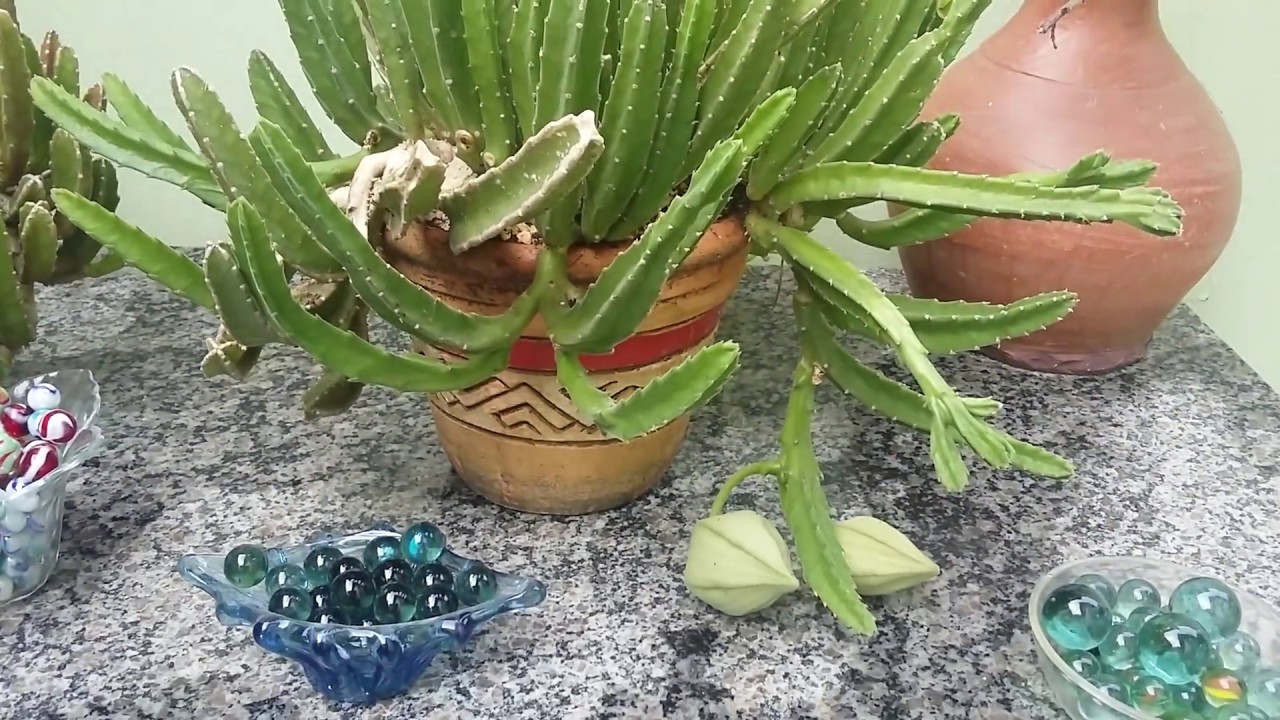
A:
(738, 563)
(882, 559)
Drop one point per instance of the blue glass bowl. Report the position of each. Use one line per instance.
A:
(359, 665)
(31, 516)
(1074, 694)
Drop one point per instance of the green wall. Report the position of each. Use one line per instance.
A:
(1222, 42)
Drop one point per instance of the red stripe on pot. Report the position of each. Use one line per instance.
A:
(539, 355)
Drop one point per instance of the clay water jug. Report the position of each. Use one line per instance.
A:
(1113, 82)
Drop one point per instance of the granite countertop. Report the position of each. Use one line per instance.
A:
(1177, 457)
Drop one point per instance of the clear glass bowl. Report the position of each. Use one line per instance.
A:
(31, 517)
(351, 664)
(1073, 692)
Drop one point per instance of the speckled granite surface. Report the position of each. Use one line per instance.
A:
(1176, 457)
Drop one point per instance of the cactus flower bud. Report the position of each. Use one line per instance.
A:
(738, 563)
(882, 559)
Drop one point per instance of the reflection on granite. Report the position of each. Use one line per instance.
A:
(1177, 457)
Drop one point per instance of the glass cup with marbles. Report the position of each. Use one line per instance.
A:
(48, 428)
(1142, 639)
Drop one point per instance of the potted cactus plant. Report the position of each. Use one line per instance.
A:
(553, 199)
(41, 244)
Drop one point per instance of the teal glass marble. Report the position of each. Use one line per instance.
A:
(422, 543)
(1187, 700)
(353, 593)
(1075, 617)
(291, 602)
(318, 565)
(321, 599)
(1264, 690)
(1108, 684)
(345, 564)
(1140, 616)
(1104, 586)
(1210, 602)
(1239, 651)
(1239, 711)
(1119, 649)
(1175, 648)
(1222, 687)
(1150, 694)
(246, 565)
(433, 575)
(435, 603)
(326, 617)
(379, 549)
(1135, 593)
(1086, 664)
(394, 603)
(287, 575)
(1117, 619)
(394, 570)
(477, 584)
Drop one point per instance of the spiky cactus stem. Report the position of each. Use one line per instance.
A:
(41, 246)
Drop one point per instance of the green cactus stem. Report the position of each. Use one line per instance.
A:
(41, 245)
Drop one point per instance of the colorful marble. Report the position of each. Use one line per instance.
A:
(10, 453)
(1222, 687)
(318, 565)
(1075, 616)
(1210, 602)
(246, 565)
(13, 420)
(394, 603)
(38, 460)
(1264, 690)
(422, 543)
(56, 426)
(381, 548)
(291, 602)
(1119, 649)
(1175, 648)
(1239, 651)
(43, 396)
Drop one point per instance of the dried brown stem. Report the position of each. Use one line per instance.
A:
(1050, 25)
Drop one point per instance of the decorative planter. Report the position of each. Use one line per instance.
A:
(517, 439)
(1113, 83)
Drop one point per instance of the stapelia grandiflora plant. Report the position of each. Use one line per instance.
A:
(637, 121)
(41, 245)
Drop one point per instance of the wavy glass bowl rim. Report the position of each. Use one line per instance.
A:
(57, 479)
(1050, 580)
(530, 592)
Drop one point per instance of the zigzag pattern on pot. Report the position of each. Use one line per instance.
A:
(526, 405)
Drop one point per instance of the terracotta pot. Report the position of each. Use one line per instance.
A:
(1114, 83)
(517, 439)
